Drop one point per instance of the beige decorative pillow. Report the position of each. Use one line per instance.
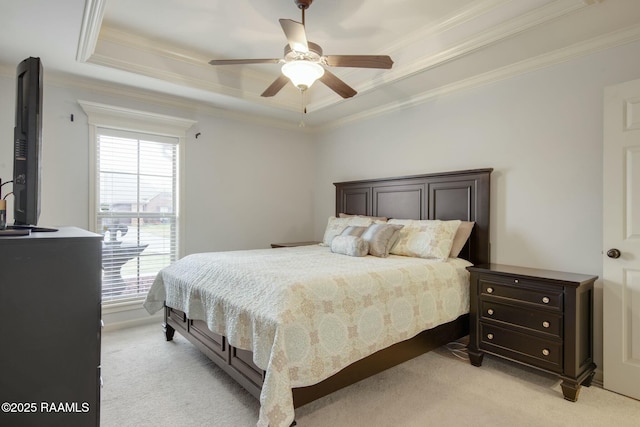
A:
(375, 218)
(335, 226)
(381, 238)
(425, 238)
(353, 230)
(461, 237)
(349, 245)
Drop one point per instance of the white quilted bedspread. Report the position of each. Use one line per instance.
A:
(306, 312)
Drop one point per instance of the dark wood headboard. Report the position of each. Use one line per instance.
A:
(460, 195)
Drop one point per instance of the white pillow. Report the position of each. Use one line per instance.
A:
(425, 238)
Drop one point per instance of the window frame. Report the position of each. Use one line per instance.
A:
(126, 119)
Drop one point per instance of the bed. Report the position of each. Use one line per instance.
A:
(270, 333)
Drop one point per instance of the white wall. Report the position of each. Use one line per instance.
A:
(247, 185)
(542, 134)
(7, 119)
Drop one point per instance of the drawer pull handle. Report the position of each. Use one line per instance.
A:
(515, 281)
(545, 351)
(490, 336)
(545, 300)
(490, 311)
(489, 290)
(545, 324)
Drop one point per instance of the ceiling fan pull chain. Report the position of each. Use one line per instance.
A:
(303, 109)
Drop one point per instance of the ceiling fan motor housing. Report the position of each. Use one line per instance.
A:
(314, 54)
(303, 4)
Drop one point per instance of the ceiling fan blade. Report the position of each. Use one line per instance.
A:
(243, 61)
(359, 61)
(337, 85)
(296, 36)
(275, 87)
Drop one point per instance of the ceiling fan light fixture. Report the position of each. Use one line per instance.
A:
(304, 61)
(302, 73)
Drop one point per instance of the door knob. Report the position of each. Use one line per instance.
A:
(613, 253)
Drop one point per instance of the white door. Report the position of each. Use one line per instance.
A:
(621, 236)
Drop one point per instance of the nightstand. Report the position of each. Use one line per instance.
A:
(293, 244)
(540, 318)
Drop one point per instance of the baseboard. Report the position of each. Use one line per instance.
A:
(598, 378)
(130, 323)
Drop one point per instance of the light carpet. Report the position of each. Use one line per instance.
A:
(151, 382)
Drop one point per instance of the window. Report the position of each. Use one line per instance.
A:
(137, 209)
(135, 196)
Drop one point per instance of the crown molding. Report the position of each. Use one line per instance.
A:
(616, 38)
(94, 35)
(130, 119)
(494, 34)
(164, 100)
(198, 72)
(90, 29)
(164, 50)
(194, 70)
(468, 45)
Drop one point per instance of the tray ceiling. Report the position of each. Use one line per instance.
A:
(438, 46)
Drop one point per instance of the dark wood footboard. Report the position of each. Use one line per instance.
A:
(239, 364)
(234, 361)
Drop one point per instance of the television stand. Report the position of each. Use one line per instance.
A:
(54, 355)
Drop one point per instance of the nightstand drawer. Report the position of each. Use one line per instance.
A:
(543, 298)
(525, 348)
(539, 320)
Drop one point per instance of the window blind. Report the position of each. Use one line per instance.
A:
(137, 200)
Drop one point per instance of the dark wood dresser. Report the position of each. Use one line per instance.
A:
(50, 292)
(539, 318)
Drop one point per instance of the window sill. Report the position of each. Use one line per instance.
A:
(117, 307)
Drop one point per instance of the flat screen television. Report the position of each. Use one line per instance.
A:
(27, 144)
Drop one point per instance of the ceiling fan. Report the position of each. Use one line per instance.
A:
(303, 61)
